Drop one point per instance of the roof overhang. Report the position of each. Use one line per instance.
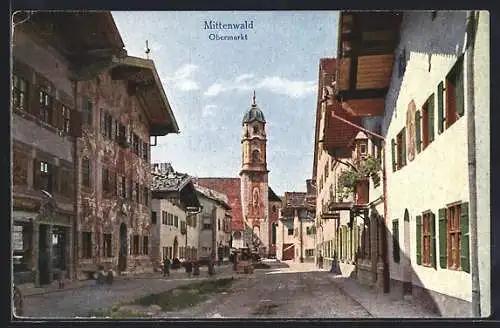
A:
(144, 82)
(188, 196)
(83, 38)
(366, 44)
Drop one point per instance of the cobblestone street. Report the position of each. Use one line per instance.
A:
(297, 291)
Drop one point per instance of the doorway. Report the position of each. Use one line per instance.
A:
(407, 285)
(122, 255)
(43, 254)
(176, 249)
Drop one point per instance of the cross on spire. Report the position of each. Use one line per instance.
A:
(147, 50)
(253, 103)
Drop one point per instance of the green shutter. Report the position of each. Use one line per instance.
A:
(433, 239)
(418, 139)
(430, 111)
(393, 150)
(464, 237)
(443, 238)
(440, 108)
(395, 241)
(459, 88)
(403, 147)
(419, 239)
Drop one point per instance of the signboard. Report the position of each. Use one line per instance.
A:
(17, 238)
(411, 131)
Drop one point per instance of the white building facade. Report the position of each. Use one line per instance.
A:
(427, 112)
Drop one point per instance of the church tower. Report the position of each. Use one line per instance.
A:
(254, 173)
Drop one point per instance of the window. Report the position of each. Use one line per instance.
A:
(106, 124)
(170, 220)
(274, 208)
(428, 122)
(207, 224)
(425, 240)
(145, 151)
(255, 129)
(87, 111)
(290, 231)
(164, 217)
(165, 252)
(19, 93)
(45, 171)
(66, 117)
(86, 244)
(309, 252)
(363, 148)
(145, 245)
(106, 180)
(153, 217)
(107, 246)
(145, 197)
(135, 245)
(122, 135)
(137, 193)
(255, 156)
(123, 191)
(273, 233)
(399, 151)
(176, 221)
(183, 225)
(86, 172)
(135, 143)
(45, 107)
(454, 94)
(395, 241)
(454, 235)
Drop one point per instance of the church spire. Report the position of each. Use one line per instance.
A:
(253, 102)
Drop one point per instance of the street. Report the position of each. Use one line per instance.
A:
(291, 291)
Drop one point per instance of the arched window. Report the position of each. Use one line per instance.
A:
(274, 208)
(255, 156)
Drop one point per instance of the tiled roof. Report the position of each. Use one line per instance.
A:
(164, 178)
(215, 195)
(272, 196)
(230, 187)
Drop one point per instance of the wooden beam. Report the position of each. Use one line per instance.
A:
(355, 41)
(362, 94)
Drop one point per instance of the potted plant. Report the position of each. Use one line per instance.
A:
(355, 178)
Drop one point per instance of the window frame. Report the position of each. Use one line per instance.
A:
(426, 235)
(107, 245)
(86, 245)
(453, 228)
(19, 94)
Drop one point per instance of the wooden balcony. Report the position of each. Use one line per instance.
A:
(367, 41)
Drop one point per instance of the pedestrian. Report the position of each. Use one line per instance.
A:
(189, 267)
(320, 260)
(166, 266)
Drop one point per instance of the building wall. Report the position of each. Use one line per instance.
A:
(274, 208)
(34, 140)
(164, 235)
(437, 176)
(101, 212)
(482, 118)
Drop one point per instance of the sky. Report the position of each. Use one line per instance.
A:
(210, 83)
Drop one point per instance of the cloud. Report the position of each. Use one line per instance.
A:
(214, 90)
(183, 79)
(274, 84)
(244, 77)
(294, 89)
(208, 110)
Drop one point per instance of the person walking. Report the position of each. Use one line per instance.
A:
(189, 268)
(166, 266)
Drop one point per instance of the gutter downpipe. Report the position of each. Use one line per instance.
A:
(471, 156)
(76, 192)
